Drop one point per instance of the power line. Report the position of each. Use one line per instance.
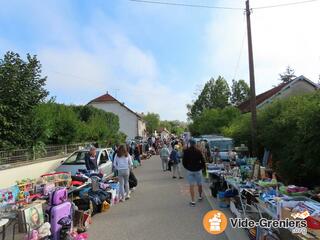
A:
(219, 7)
(185, 5)
(240, 54)
(285, 4)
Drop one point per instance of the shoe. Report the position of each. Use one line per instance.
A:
(121, 200)
(180, 177)
(200, 199)
(192, 204)
(174, 177)
(128, 197)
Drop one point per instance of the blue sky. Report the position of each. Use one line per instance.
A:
(158, 56)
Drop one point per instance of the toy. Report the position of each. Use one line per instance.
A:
(44, 230)
(21, 196)
(34, 235)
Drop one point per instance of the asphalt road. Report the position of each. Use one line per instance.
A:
(158, 210)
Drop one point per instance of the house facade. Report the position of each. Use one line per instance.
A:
(164, 133)
(130, 122)
(298, 86)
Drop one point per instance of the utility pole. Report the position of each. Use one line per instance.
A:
(253, 104)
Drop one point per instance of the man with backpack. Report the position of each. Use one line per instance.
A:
(193, 162)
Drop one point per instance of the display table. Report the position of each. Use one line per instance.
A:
(3, 224)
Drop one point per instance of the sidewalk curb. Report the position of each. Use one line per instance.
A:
(229, 232)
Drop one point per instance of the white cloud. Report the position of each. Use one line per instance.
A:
(281, 36)
(109, 61)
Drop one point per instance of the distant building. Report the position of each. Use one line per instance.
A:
(131, 123)
(298, 86)
(164, 133)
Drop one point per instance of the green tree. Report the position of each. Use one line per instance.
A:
(288, 75)
(21, 90)
(215, 94)
(240, 92)
(152, 122)
(166, 124)
(213, 121)
(178, 127)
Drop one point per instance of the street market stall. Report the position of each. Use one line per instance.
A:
(55, 206)
(250, 191)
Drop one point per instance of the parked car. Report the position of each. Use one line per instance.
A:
(223, 144)
(76, 161)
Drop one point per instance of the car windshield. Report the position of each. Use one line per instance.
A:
(222, 145)
(77, 158)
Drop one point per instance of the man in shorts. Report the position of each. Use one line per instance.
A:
(193, 162)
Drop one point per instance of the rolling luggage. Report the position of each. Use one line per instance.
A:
(58, 196)
(56, 213)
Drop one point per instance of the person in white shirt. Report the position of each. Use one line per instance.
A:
(123, 164)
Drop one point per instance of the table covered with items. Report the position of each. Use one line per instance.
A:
(252, 191)
(55, 206)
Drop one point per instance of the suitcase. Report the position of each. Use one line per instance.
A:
(58, 196)
(56, 213)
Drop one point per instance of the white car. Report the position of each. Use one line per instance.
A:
(76, 161)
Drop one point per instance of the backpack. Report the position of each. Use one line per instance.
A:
(174, 158)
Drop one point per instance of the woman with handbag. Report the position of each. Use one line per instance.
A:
(123, 164)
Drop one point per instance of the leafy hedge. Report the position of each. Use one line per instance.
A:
(61, 124)
(54, 123)
(290, 128)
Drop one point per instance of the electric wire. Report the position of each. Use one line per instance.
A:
(180, 4)
(241, 50)
(285, 4)
(185, 5)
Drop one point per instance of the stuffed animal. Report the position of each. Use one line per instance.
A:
(44, 230)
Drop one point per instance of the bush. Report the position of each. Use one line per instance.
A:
(62, 124)
(290, 128)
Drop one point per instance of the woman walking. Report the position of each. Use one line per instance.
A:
(123, 164)
(175, 162)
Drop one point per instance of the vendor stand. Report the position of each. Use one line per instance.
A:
(264, 198)
(25, 208)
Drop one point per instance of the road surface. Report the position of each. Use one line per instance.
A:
(158, 210)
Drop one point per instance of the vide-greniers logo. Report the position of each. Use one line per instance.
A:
(295, 225)
(215, 222)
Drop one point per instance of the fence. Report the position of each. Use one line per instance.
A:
(10, 158)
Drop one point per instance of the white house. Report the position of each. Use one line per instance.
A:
(298, 86)
(164, 133)
(131, 123)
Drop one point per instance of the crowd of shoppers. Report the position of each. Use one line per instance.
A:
(173, 153)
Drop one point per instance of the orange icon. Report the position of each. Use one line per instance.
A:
(215, 222)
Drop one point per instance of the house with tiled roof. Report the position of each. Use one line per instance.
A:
(298, 86)
(131, 123)
(164, 133)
